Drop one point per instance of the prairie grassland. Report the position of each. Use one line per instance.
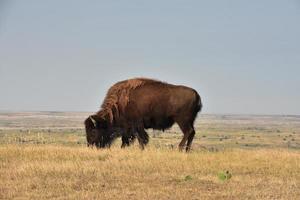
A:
(44, 156)
(60, 172)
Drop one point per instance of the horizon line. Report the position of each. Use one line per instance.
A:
(81, 111)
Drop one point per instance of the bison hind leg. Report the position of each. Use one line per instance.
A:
(190, 140)
(189, 133)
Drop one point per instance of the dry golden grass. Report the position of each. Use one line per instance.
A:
(61, 172)
(44, 156)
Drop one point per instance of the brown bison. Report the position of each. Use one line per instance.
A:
(133, 105)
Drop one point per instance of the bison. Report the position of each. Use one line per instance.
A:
(133, 105)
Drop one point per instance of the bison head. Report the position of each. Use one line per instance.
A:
(96, 131)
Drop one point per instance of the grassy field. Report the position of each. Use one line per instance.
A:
(44, 155)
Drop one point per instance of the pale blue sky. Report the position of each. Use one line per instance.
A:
(241, 56)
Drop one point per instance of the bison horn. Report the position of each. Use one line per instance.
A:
(93, 120)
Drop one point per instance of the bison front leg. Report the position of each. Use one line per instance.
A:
(143, 137)
(128, 138)
(126, 141)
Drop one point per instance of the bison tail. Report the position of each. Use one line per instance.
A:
(199, 104)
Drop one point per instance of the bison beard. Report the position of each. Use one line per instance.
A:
(133, 105)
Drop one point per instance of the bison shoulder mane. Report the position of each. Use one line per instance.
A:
(118, 96)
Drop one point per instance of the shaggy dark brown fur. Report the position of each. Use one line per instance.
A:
(133, 105)
(117, 97)
(95, 136)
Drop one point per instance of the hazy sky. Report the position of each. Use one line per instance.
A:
(241, 56)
